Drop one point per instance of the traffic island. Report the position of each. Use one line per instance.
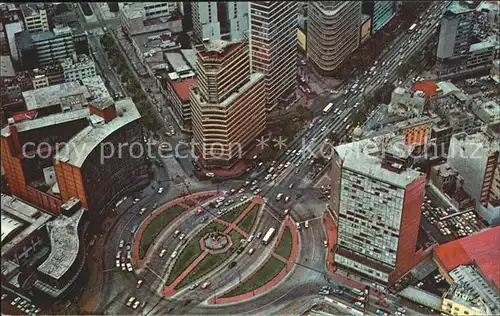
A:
(189, 267)
(270, 272)
(150, 229)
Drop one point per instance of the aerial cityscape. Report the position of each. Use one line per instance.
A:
(250, 157)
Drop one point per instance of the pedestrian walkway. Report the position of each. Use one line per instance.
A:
(138, 262)
(170, 290)
(277, 279)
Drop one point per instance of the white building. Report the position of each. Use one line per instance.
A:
(488, 112)
(11, 30)
(146, 17)
(333, 33)
(35, 17)
(205, 20)
(273, 48)
(481, 54)
(238, 19)
(82, 67)
(475, 157)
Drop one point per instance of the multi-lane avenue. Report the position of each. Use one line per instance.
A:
(286, 177)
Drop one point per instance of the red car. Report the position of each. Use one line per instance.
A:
(139, 284)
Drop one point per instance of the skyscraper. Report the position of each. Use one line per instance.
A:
(455, 38)
(205, 20)
(227, 104)
(376, 199)
(220, 20)
(381, 12)
(273, 47)
(333, 33)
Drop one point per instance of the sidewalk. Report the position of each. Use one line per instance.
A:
(277, 279)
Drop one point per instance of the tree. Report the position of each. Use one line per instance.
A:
(304, 113)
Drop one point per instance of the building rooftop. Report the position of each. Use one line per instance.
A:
(480, 46)
(190, 55)
(30, 9)
(96, 87)
(365, 157)
(52, 95)
(82, 62)
(458, 7)
(482, 247)
(6, 68)
(218, 49)
(82, 144)
(181, 88)
(176, 60)
(19, 220)
(430, 88)
(48, 35)
(65, 245)
(480, 140)
(445, 170)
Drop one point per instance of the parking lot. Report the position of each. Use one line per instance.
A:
(14, 305)
(445, 224)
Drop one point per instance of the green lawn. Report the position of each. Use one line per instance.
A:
(204, 197)
(231, 216)
(156, 226)
(248, 221)
(285, 244)
(211, 262)
(272, 267)
(191, 251)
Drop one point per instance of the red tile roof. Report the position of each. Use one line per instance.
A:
(181, 88)
(482, 247)
(26, 115)
(429, 87)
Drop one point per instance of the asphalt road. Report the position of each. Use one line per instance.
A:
(313, 270)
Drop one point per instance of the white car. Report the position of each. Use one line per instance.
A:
(136, 200)
(181, 237)
(118, 263)
(136, 304)
(160, 190)
(142, 210)
(306, 224)
(325, 242)
(124, 267)
(323, 128)
(250, 238)
(121, 244)
(129, 267)
(174, 254)
(243, 199)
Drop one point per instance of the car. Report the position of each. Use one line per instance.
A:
(250, 238)
(323, 128)
(176, 233)
(181, 237)
(205, 285)
(297, 225)
(155, 206)
(259, 234)
(306, 224)
(129, 246)
(298, 153)
(162, 253)
(360, 298)
(4, 296)
(124, 267)
(240, 191)
(286, 211)
(174, 254)
(291, 186)
(142, 210)
(398, 313)
(199, 211)
(136, 200)
(118, 263)
(257, 191)
(381, 312)
(232, 265)
(287, 198)
(130, 301)
(358, 304)
(254, 182)
(136, 304)
(160, 190)
(139, 283)
(325, 243)
(192, 287)
(401, 310)
(129, 267)
(170, 309)
(121, 244)
(243, 199)
(144, 304)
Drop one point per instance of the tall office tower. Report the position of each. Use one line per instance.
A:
(455, 38)
(35, 17)
(237, 16)
(227, 104)
(205, 20)
(381, 12)
(333, 33)
(273, 47)
(476, 158)
(376, 199)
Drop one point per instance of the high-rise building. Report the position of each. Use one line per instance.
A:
(381, 12)
(273, 48)
(35, 17)
(227, 104)
(205, 20)
(333, 33)
(455, 38)
(376, 199)
(237, 18)
(476, 158)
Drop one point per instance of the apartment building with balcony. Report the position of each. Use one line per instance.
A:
(375, 200)
(35, 17)
(333, 33)
(273, 48)
(227, 104)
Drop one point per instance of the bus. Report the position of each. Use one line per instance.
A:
(268, 236)
(327, 108)
(414, 25)
(357, 292)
